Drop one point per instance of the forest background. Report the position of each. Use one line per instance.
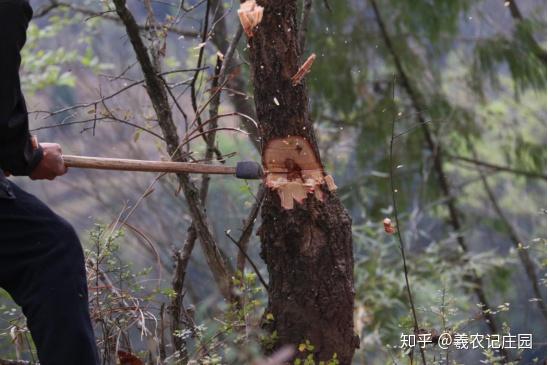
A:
(473, 71)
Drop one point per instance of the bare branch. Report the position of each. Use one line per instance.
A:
(435, 149)
(216, 87)
(247, 230)
(108, 97)
(522, 251)
(220, 268)
(104, 15)
(107, 119)
(199, 63)
(531, 174)
(241, 102)
(261, 279)
(398, 227)
(182, 258)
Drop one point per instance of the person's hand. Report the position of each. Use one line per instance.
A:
(51, 165)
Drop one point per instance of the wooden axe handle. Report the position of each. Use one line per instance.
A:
(122, 164)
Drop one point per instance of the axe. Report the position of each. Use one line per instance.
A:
(243, 170)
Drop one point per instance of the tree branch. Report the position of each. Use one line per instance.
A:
(182, 258)
(398, 226)
(475, 161)
(247, 230)
(54, 4)
(523, 254)
(221, 269)
(261, 279)
(236, 81)
(436, 151)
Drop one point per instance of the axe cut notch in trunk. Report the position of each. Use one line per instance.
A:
(244, 170)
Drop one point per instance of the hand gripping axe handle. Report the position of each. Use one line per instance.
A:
(244, 170)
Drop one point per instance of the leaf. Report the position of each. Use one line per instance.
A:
(137, 135)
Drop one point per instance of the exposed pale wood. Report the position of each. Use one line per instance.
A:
(122, 164)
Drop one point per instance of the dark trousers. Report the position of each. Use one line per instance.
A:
(42, 267)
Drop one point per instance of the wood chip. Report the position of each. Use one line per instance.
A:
(330, 182)
(303, 70)
(250, 15)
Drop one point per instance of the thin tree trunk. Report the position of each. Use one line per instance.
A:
(236, 80)
(216, 260)
(307, 249)
(523, 253)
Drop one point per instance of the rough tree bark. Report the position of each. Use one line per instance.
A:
(307, 249)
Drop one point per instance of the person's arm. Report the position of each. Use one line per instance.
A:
(19, 154)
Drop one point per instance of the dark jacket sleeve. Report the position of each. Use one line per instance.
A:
(17, 155)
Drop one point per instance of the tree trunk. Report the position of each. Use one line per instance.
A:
(307, 249)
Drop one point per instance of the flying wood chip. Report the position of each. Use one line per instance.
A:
(303, 70)
(293, 171)
(250, 15)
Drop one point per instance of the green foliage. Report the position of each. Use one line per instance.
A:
(518, 53)
(476, 86)
(305, 356)
(436, 278)
(428, 20)
(268, 341)
(249, 308)
(333, 76)
(46, 63)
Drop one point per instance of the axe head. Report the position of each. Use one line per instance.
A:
(249, 170)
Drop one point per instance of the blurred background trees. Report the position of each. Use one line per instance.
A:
(466, 82)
